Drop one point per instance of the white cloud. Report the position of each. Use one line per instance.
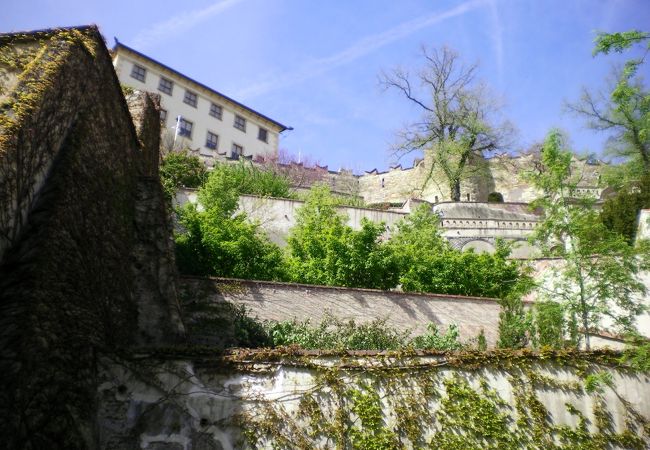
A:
(497, 36)
(174, 25)
(359, 49)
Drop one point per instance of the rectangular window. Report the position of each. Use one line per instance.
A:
(163, 116)
(185, 128)
(212, 140)
(166, 86)
(190, 98)
(240, 123)
(263, 135)
(138, 72)
(237, 151)
(216, 111)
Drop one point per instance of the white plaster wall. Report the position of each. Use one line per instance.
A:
(185, 405)
(277, 215)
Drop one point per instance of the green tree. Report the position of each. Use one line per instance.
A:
(181, 169)
(457, 124)
(620, 212)
(324, 250)
(625, 111)
(428, 263)
(216, 240)
(599, 275)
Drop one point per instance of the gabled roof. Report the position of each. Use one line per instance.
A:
(119, 45)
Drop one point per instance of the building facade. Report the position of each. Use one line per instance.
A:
(196, 116)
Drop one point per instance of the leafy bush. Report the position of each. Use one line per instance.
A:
(550, 324)
(620, 212)
(245, 178)
(323, 249)
(334, 333)
(428, 263)
(218, 241)
(433, 340)
(181, 169)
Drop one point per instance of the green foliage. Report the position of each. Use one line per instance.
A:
(217, 241)
(181, 169)
(599, 274)
(549, 324)
(428, 263)
(433, 340)
(244, 178)
(482, 344)
(495, 197)
(324, 250)
(334, 333)
(514, 323)
(620, 212)
(595, 382)
(637, 353)
(617, 42)
(371, 433)
(626, 114)
(350, 408)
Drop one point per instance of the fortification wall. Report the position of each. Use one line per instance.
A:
(504, 174)
(314, 400)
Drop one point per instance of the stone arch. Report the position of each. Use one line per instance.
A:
(495, 197)
(479, 246)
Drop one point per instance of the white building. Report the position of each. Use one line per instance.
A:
(214, 125)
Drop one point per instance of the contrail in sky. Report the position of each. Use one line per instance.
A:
(174, 25)
(361, 48)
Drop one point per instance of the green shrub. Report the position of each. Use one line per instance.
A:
(181, 169)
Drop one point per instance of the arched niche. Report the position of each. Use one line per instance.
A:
(479, 246)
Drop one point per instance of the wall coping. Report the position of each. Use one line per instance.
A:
(450, 297)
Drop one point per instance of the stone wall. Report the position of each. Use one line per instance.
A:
(314, 400)
(269, 300)
(83, 234)
(504, 174)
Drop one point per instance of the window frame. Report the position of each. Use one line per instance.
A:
(164, 89)
(209, 142)
(163, 116)
(135, 72)
(191, 98)
(240, 123)
(183, 130)
(234, 154)
(213, 111)
(264, 131)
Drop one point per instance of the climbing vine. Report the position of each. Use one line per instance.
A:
(395, 406)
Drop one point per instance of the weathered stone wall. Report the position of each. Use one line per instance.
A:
(311, 400)
(504, 174)
(83, 234)
(269, 300)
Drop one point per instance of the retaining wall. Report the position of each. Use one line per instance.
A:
(312, 400)
(285, 301)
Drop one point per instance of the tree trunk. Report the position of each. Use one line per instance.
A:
(454, 190)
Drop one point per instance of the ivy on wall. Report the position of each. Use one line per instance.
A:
(425, 407)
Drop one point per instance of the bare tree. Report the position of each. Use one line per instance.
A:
(457, 114)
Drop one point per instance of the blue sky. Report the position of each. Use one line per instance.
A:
(314, 65)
